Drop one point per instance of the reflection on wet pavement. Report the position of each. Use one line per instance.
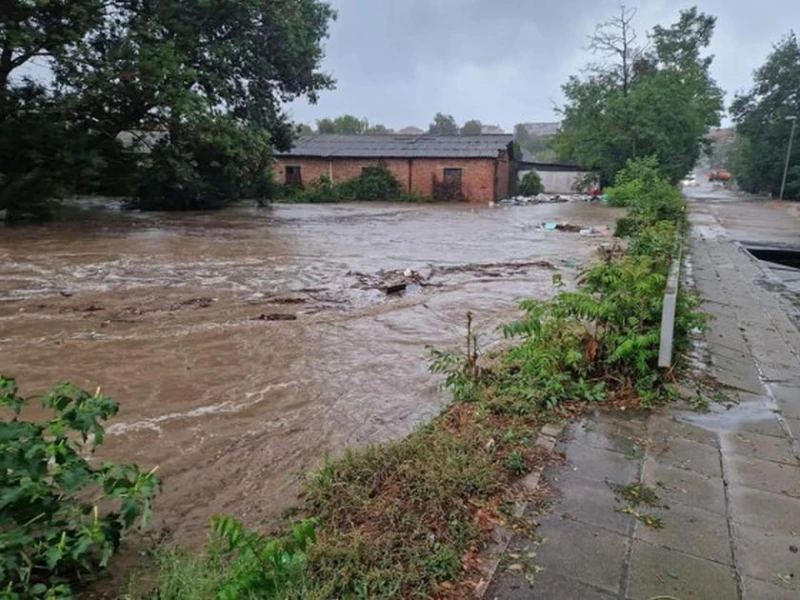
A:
(177, 316)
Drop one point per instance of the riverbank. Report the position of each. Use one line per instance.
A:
(162, 310)
(410, 518)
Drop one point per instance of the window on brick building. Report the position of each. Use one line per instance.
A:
(368, 170)
(452, 178)
(294, 176)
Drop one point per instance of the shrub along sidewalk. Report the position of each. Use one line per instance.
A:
(408, 519)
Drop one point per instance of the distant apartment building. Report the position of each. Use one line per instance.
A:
(491, 130)
(542, 129)
(411, 131)
(478, 168)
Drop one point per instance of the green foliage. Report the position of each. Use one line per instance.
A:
(443, 125)
(531, 184)
(211, 163)
(758, 155)
(472, 127)
(262, 566)
(604, 337)
(650, 197)
(461, 371)
(238, 564)
(345, 125)
(52, 529)
(212, 76)
(659, 102)
(376, 183)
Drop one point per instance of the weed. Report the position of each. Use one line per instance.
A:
(461, 371)
(52, 530)
(650, 520)
(636, 494)
(515, 462)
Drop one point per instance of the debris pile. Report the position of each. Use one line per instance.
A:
(544, 199)
(603, 230)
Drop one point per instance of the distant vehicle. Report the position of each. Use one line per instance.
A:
(689, 181)
(723, 176)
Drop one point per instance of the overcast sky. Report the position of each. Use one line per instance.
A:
(398, 62)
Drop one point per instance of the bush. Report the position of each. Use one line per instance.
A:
(531, 184)
(607, 334)
(238, 563)
(650, 197)
(377, 183)
(52, 531)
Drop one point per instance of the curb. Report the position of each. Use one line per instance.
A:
(501, 537)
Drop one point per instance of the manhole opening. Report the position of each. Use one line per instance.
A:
(787, 257)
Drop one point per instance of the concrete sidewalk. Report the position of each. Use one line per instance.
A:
(726, 483)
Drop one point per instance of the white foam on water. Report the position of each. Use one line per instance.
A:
(226, 407)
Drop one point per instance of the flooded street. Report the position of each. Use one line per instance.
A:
(183, 318)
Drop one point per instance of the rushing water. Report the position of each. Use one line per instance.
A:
(164, 312)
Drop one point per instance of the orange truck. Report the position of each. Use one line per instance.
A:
(723, 176)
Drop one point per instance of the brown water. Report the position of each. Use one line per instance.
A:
(163, 311)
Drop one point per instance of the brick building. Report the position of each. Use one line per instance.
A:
(480, 168)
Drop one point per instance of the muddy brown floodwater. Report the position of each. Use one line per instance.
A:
(164, 313)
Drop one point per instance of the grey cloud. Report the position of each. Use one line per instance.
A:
(398, 62)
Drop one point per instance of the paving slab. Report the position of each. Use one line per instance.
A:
(615, 436)
(766, 425)
(788, 400)
(599, 464)
(658, 571)
(691, 530)
(763, 475)
(679, 486)
(686, 454)
(794, 427)
(664, 427)
(754, 589)
(767, 555)
(773, 512)
(754, 445)
(747, 382)
(592, 502)
(584, 553)
(546, 586)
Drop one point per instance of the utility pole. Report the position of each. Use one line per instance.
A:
(793, 119)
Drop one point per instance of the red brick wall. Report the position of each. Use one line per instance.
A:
(478, 178)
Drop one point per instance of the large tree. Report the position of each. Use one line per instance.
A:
(443, 125)
(758, 156)
(641, 102)
(472, 127)
(345, 125)
(205, 73)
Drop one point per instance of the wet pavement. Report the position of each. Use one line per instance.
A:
(725, 483)
(172, 314)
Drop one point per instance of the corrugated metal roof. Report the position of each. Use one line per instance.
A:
(400, 146)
